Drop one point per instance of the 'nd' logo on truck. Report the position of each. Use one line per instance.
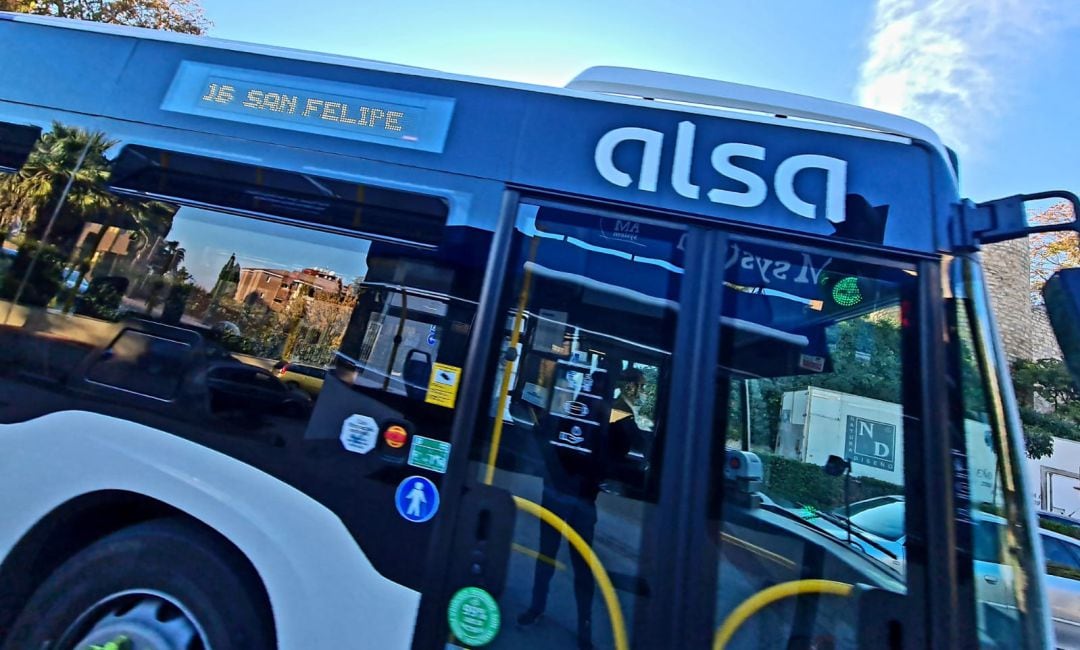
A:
(871, 443)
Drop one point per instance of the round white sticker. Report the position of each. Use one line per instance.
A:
(358, 433)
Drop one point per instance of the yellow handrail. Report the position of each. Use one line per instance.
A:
(607, 590)
(766, 597)
(504, 387)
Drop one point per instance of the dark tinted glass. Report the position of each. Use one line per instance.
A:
(16, 142)
(809, 467)
(579, 390)
(142, 363)
(260, 190)
(168, 290)
(1061, 553)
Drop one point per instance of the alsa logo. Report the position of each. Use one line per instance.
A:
(723, 161)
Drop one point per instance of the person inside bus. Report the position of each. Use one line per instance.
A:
(631, 427)
(571, 486)
(628, 403)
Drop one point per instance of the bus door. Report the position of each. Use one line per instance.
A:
(658, 444)
(569, 437)
(805, 528)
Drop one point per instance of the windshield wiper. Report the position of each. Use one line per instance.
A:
(853, 529)
(794, 517)
(806, 522)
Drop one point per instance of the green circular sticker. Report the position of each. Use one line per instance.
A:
(474, 616)
(846, 292)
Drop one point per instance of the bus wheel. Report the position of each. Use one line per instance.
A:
(159, 585)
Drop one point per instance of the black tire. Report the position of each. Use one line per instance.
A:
(195, 569)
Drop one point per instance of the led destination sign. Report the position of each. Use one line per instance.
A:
(395, 118)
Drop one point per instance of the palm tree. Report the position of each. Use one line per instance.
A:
(63, 186)
(60, 183)
(65, 159)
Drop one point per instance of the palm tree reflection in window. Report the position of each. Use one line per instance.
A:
(70, 230)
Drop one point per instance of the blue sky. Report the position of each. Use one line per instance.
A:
(210, 238)
(996, 78)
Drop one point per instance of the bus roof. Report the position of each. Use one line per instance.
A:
(599, 83)
(626, 130)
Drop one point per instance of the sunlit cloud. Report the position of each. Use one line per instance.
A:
(953, 64)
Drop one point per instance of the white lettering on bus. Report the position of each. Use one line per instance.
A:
(222, 94)
(835, 185)
(770, 269)
(756, 190)
(650, 160)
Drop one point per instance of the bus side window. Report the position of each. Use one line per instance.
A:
(311, 327)
(398, 333)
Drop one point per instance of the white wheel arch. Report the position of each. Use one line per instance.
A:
(323, 590)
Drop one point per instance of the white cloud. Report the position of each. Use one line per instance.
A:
(952, 64)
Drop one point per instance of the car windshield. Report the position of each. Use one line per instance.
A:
(886, 521)
(820, 520)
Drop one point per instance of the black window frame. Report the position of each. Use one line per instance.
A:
(248, 190)
(678, 615)
(915, 400)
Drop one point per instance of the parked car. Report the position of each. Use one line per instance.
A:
(884, 524)
(1063, 585)
(238, 387)
(297, 375)
(183, 370)
(70, 276)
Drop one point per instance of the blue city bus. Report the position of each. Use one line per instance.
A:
(648, 361)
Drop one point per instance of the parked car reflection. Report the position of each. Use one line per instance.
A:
(183, 369)
(304, 377)
(238, 387)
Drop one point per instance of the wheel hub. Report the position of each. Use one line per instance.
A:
(140, 622)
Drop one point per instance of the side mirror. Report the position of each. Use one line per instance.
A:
(1018, 216)
(1062, 296)
(836, 466)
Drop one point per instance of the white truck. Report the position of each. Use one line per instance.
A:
(816, 423)
(1054, 481)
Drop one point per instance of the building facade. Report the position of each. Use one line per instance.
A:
(1025, 328)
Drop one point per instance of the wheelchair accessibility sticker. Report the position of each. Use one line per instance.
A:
(417, 499)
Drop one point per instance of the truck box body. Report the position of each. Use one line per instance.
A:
(1054, 481)
(816, 423)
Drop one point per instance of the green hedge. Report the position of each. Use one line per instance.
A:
(809, 485)
(1057, 527)
(1062, 571)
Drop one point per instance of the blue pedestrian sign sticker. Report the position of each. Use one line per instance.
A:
(417, 499)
